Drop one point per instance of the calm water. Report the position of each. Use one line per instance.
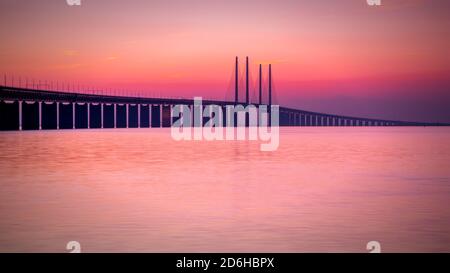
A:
(325, 189)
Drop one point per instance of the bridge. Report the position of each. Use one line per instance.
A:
(31, 108)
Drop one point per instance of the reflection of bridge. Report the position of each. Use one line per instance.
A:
(23, 108)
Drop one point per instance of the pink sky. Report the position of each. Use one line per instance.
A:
(340, 57)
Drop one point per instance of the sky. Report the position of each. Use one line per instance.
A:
(341, 57)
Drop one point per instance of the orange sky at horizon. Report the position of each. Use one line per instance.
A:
(320, 50)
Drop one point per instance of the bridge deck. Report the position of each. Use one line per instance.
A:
(288, 116)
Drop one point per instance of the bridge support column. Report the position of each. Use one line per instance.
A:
(139, 115)
(160, 116)
(191, 107)
(20, 115)
(40, 115)
(57, 115)
(101, 115)
(127, 115)
(150, 115)
(73, 115)
(170, 114)
(115, 115)
(88, 115)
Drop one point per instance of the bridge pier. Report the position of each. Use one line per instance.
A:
(192, 116)
(57, 115)
(40, 115)
(73, 115)
(150, 115)
(127, 115)
(139, 115)
(88, 115)
(101, 116)
(160, 116)
(115, 115)
(20, 115)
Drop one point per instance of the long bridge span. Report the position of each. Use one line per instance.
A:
(30, 109)
(35, 108)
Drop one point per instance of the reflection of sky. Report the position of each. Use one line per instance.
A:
(339, 56)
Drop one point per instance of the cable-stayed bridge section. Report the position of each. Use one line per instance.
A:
(36, 108)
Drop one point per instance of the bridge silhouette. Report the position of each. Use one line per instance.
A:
(35, 108)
